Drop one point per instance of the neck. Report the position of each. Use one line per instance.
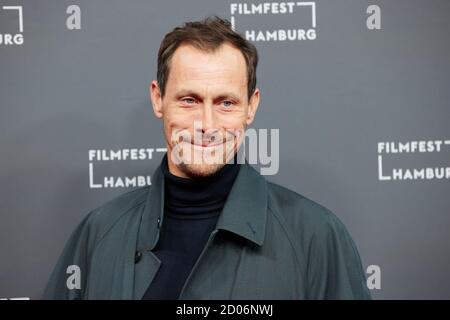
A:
(188, 196)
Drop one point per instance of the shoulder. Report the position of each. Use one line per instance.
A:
(301, 216)
(317, 234)
(297, 208)
(101, 219)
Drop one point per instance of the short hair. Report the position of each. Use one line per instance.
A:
(206, 35)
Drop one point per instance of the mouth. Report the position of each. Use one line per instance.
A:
(206, 145)
(198, 144)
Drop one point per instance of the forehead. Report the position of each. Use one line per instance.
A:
(225, 66)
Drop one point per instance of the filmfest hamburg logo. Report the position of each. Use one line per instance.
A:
(307, 30)
(406, 149)
(98, 156)
(12, 38)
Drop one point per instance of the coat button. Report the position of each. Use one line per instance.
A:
(137, 256)
(159, 223)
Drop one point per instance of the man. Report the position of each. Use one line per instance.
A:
(208, 227)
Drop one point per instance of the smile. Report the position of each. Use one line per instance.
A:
(204, 145)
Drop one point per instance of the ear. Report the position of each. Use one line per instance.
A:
(252, 106)
(155, 97)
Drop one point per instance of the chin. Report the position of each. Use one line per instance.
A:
(195, 162)
(200, 170)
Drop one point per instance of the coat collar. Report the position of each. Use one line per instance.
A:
(244, 212)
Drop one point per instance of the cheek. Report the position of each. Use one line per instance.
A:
(178, 119)
(233, 121)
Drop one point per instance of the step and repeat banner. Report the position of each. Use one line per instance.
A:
(356, 91)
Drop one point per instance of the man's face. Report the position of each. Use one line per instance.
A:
(205, 108)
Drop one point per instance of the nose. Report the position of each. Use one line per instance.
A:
(208, 118)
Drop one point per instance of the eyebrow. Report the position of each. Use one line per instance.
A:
(191, 93)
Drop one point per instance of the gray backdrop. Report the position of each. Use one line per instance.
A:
(334, 98)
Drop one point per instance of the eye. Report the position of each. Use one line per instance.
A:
(227, 103)
(188, 100)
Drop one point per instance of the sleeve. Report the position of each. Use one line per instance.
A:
(68, 279)
(335, 270)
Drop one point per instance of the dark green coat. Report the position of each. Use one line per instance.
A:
(269, 243)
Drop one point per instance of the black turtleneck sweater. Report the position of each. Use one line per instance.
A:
(191, 210)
